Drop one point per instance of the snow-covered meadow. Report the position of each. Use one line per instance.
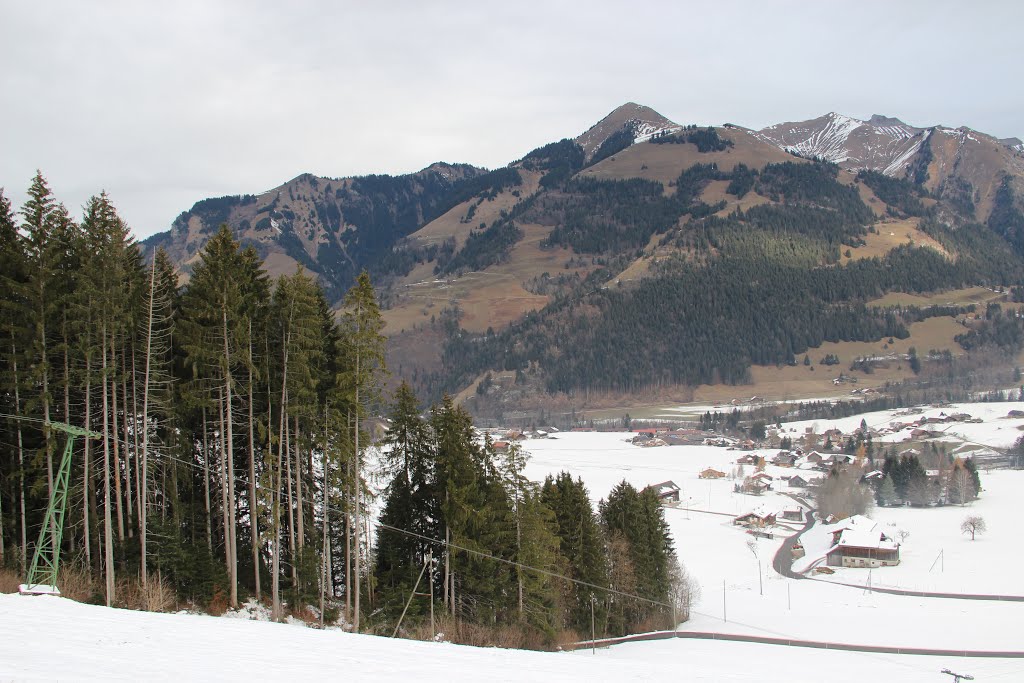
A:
(50, 638)
(715, 551)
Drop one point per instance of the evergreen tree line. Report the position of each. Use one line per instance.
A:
(703, 324)
(559, 160)
(229, 461)
(906, 481)
(461, 522)
(705, 139)
(897, 193)
(613, 216)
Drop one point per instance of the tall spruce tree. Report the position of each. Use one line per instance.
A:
(362, 327)
(582, 547)
(215, 329)
(13, 310)
(638, 518)
(105, 276)
(409, 503)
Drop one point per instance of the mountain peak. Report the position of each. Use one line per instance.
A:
(641, 120)
(883, 120)
(882, 142)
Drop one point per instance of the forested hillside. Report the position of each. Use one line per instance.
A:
(646, 254)
(732, 290)
(333, 227)
(232, 452)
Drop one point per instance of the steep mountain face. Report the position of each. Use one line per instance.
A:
(334, 227)
(968, 169)
(962, 166)
(878, 144)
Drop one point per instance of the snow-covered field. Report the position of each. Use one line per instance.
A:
(46, 637)
(715, 552)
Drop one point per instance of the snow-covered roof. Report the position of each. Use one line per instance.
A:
(861, 532)
(866, 538)
(761, 511)
(665, 486)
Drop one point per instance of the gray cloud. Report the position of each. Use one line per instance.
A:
(162, 104)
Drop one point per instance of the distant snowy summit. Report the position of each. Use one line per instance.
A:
(881, 143)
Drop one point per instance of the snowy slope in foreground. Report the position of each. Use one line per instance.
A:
(53, 638)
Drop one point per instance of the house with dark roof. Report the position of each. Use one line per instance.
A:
(666, 491)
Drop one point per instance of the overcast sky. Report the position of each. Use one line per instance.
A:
(165, 103)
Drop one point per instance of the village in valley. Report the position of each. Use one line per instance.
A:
(827, 530)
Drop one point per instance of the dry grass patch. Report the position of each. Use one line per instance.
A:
(813, 381)
(890, 234)
(867, 195)
(489, 298)
(954, 297)
(451, 223)
(664, 163)
(509, 636)
(9, 581)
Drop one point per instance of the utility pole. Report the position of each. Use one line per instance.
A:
(957, 677)
(430, 563)
(593, 630)
(412, 594)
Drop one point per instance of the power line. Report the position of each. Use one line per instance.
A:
(413, 534)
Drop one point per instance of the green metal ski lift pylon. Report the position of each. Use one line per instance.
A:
(42, 574)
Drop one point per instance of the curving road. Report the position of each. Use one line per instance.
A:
(783, 560)
(792, 642)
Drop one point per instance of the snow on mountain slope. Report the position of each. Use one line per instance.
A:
(644, 122)
(881, 143)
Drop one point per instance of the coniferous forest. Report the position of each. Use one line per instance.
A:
(235, 454)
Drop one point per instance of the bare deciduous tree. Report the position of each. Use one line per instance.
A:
(973, 524)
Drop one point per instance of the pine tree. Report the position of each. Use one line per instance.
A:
(215, 329)
(638, 518)
(40, 217)
(157, 396)
(457, 486)
(409, 503)
(13, 312)
(582, 547)
(886, 494)
(106, 273)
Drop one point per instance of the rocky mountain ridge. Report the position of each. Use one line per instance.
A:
(961, 165)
